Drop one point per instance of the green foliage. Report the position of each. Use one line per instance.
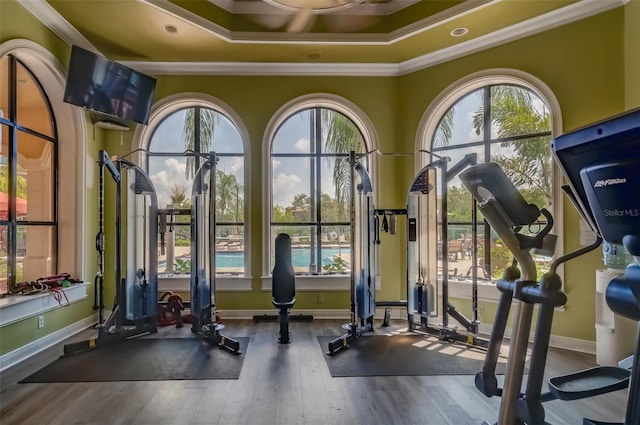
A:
(229, 205)
(209, 119)
(341, 136)
(514, 113)
(282, 214)
(338, 265)
(501, 257)
(459, 204)
(179, 196)
(183, 241)
(21, 183)
(182, 266)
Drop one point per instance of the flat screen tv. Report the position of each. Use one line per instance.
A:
(107, 87)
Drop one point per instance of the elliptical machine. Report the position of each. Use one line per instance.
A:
(601, 163)
(507, 212)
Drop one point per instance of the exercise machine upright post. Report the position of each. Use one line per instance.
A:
(134, 309)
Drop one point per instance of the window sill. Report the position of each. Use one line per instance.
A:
(337, 282)
(223, 283)
(487, 291)
(18, 307)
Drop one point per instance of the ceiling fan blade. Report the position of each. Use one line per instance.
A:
(301, 20)
(351, 23)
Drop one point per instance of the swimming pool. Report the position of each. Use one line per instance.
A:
(299, 258)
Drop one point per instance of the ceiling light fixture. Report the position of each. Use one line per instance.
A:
(459, 32)
(316, 6)
(170, 29)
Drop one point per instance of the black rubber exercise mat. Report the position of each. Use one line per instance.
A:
(404, 355)
(146, 359)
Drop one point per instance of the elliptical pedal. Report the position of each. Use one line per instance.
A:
(590, 382)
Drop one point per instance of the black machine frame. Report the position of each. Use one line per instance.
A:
(363, 262)
(135, 309)
(418, 318)
(203, 257)
(601, 163)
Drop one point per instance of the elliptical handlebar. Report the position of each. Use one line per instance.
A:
(505, 209)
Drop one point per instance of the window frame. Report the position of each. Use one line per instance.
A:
(309, 282)
(75, 170)
(142, 139)
(15, 130)
(449, 97)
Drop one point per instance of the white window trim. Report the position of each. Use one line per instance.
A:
(448, 97)
(142, 138)
(75, 170)
(316, 100)
(20, 307)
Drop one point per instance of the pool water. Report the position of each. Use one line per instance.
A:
(299, 258)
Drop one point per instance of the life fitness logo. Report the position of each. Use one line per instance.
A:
(634, 212)
(609, 182)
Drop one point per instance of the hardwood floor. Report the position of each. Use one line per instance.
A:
(278, 385)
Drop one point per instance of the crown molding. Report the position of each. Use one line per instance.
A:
(252, 68)
(56, 23)
(548, 21)
(568, 14)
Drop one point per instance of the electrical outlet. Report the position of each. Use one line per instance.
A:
(40, 322)
(320, 298)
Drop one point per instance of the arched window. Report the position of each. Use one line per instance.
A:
(28, 177)
(176, 130)
(506, 119)
(309, 183)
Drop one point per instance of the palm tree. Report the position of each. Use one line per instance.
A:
(341, 136)
(226, 185)
(179, 196)
(514, 113)
(444, 130)
(208, 119)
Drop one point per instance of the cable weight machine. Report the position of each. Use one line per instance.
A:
(424, 249)
(135, 307)
(363, 224)
(203, 257)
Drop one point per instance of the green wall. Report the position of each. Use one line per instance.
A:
(590, 65)
(585, 70)
(17, 23)
(632, 54)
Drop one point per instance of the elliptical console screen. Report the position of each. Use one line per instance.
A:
(602, 164)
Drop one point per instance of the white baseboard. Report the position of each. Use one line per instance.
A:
(573, 344)
(29, 350)
(556, 341)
